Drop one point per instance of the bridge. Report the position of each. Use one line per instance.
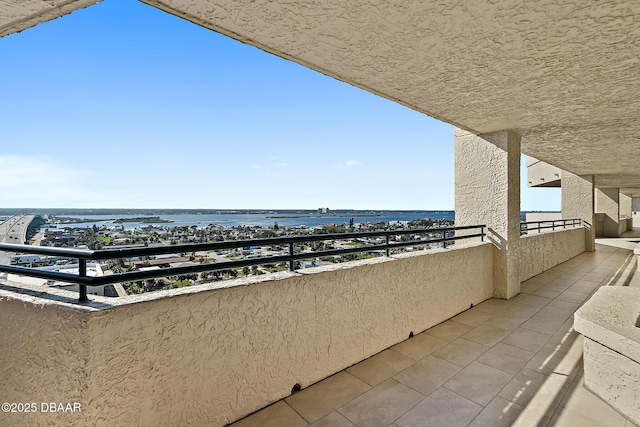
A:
(14, 230)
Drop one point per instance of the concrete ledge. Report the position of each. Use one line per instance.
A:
(609, 322)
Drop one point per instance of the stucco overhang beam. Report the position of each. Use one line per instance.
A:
(16, 16)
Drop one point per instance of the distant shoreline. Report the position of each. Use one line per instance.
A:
(143, 220)
(87, 212)
(330, 215)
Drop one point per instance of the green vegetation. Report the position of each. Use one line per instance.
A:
(276, 269)
(178, 284)
(132, 288)
(69, 220)
(331, 229)
(143, 220)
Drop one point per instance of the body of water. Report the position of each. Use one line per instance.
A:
(259, 219)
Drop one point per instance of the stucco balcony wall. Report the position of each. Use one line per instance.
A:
(207, 355)
(44, 350)
(625, 224)
(214, 353)
(540, 252)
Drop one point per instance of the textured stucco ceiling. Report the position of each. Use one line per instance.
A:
(567, 75)
(16, 15)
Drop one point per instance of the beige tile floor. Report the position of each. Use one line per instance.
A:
(501, 363)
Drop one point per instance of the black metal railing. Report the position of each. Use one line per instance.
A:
(525, 227)
(445, 235)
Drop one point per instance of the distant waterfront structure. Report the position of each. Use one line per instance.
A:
(323, 210)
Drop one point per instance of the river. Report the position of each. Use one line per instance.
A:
(287, 218)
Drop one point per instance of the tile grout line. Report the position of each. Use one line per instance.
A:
(299, 414)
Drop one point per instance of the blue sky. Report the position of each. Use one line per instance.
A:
(123, 106)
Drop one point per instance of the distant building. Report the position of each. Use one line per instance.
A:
(93, 270)
(323, 210)
(25, 259)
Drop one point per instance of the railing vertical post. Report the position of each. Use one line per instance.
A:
(291, 256)
(444, 236)
(482, 233)
(539, 230)
(386, 240)
(553, 225)
(82, 272)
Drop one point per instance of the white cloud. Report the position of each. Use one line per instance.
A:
(281, 165)
(348, 163)
(42, 182)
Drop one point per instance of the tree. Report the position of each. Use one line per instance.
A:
(132, 288)
(246, 271)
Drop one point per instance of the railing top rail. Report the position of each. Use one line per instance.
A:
(229, 244)
(47, 250)
(176, 271)
(550, 221)
(84, 254)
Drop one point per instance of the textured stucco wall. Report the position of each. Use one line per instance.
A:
(210, 356)
(626, 203)
(21, 14)
(540, 252)
(607, 202)
(598, 221)
(578, 202)
(542, 174)
(609, 323)
(44, 350)
(487, 191)
(623, 226)
(625, 208)
(613, 377)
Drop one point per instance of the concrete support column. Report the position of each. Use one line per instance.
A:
(626, 205)
(487, 191)
(578, 202)
(626, 209)
(608, 204)
(635, 211)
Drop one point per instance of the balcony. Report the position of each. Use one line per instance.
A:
(214, 353)
(515, 362)
(557, 82)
